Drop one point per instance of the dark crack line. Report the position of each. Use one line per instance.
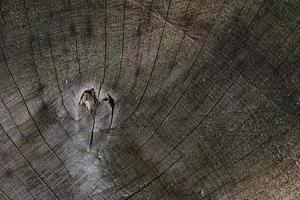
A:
(253, 150)
(58, 121)
(3, 193)
(261, 72)
(139, 58)
(212, 192)
(259, 146)
(205, 115)
(140, 132)
(27, 189)
(57, 80)
(180, 98)
(167, 115)
(52, 56)
(26, 139)
(78, 58)
(123, 97)
(139, 55)
(118, 156)
(204, 41)
(139, 65)
(154, 179)
(184, 179)
(29, 164)
(240, 143)
(193, 65)
(123, 43)
(152, 70)
(173, 63)
(208, 113)
(76, 44)
(120, 64)
(105, 47)
(32, 53)
(246, 31)
(157, 53)
(166, 20)
(90, 193)
(236, 21)
(38, 79)
(11, 116)
(198, 54)
(92, 133)
(88, 19)
(26, 106)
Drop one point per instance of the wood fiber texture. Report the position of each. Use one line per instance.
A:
(207, 99)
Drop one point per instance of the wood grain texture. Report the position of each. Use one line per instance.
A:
(207, 99)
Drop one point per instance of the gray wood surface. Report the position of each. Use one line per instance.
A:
(207, 99)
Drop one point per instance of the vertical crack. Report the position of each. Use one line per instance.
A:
(28, 111)
(105, 47)
(152, 70)
(74, 35)
(57, 80)
(123, 43)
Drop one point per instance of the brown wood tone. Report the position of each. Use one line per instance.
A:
(206, 99)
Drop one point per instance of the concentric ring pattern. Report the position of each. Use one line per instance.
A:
(207, 99)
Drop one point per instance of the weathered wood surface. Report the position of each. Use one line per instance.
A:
(207, 99)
